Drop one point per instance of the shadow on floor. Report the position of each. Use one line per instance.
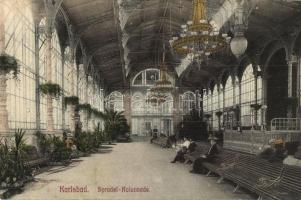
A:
(103, 151)
(57, 169)
(105, 147)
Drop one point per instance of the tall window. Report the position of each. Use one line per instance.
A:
(167, 106)
(115, 101)
(215, 106)
(57, 69)
(138, 104)
(205, 102)
(248, 96)
(187, 102)
(229, 93)
(20, 42)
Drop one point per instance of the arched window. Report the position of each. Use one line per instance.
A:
(215, 106)
(56, 76)
(229, 99)
(138, 104)
(148, 78)
(115, 101)
(187, 102)
(167, 106)
(248, 95)
(20, 42)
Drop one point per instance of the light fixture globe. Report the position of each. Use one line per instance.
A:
(239, 45)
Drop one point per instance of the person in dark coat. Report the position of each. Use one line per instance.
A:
(276, 152)
(208, 157)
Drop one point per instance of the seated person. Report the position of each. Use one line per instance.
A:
(183, 147)
(190, 149)
(209, 156)
(154, 134)
(276, 152)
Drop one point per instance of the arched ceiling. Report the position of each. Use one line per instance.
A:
(126, 36)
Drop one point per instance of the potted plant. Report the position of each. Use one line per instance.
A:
(72, 100)
(51, 89)
(219, 113)
(8, 64)
(86, 107)
(207, 116)
(255, 106)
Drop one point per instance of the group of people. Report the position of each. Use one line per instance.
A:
(188, 146)
(276, 152)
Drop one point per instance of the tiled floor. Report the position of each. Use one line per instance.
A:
(130, 165)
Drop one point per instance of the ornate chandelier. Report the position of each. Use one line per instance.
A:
(162, 87)
(199, 38)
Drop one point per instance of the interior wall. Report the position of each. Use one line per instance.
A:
(277, 86)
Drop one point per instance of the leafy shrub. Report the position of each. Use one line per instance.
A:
(43, 143)
(12, 157)
(59, 152)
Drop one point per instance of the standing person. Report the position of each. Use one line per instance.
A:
(208, 157)
(181, 152)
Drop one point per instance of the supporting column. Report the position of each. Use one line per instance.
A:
(290, 87)
(85, 112)
(239, 102)
(127, 106)
(197, 102)
(177, 117)
(63, 91)
(51, 8)
(4, 128)
(219, 106)
(48, 63)
(298, 92)
(71, 108)
(264, 103)
(37, 76)
(256, 96)
(234, 91)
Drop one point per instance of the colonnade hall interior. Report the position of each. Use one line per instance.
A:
(97, 97)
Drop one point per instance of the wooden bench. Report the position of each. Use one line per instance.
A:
(289, 186)
(268, 180)
(223, 160)
(33, 159)
(161, 141)
(254, 174)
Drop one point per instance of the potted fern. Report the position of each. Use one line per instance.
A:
(8, 64)
(72, 100)
(51, 89)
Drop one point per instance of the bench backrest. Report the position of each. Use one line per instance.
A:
(261, 167)
(291, 179)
